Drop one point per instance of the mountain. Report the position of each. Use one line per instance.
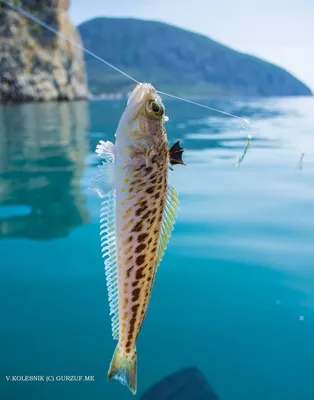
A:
(176, 60)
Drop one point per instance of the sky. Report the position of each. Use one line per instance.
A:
(279, 31)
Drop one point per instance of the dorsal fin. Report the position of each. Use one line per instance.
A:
(108, 248)
(102, 182)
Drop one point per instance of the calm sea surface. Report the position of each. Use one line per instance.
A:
(234, 295)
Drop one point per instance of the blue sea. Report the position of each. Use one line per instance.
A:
(234, 295)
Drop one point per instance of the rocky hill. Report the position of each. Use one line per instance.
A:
(35, 64)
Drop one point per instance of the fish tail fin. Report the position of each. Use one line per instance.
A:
(123, 368)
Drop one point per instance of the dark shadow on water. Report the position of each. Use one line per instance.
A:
(186, 384)
(42, 151)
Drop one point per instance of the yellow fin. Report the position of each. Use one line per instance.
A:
(170, 213)
(123, 368)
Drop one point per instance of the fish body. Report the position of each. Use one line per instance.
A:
(137, 218)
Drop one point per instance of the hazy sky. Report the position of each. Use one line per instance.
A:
(280, 31)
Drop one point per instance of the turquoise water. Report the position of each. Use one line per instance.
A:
(234, 294)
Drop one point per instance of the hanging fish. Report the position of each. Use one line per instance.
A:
(139, 209)
(137, 217)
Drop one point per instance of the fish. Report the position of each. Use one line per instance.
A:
(138, 213)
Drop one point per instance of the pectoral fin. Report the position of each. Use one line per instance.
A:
(102, 181)
(175, 153)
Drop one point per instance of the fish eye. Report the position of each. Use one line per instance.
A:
(154, 108)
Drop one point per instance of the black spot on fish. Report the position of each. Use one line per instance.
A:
(140, 248)
(138, 227)
(139, 274)
(135, 308)
(142, 237)
(140, 259)
(136, 294)
(139, 211)
(145, 216)
(128, 272)
(150, 190)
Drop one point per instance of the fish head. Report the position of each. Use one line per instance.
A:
(144, 110)
(144, 101)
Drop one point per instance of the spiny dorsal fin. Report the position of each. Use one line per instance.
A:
(175, 154)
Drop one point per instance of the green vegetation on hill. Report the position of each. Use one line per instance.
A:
(177, 60)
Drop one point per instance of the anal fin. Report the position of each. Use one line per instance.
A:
(170, 214)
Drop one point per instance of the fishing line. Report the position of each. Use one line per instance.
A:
(204, 106)
(42, 23)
